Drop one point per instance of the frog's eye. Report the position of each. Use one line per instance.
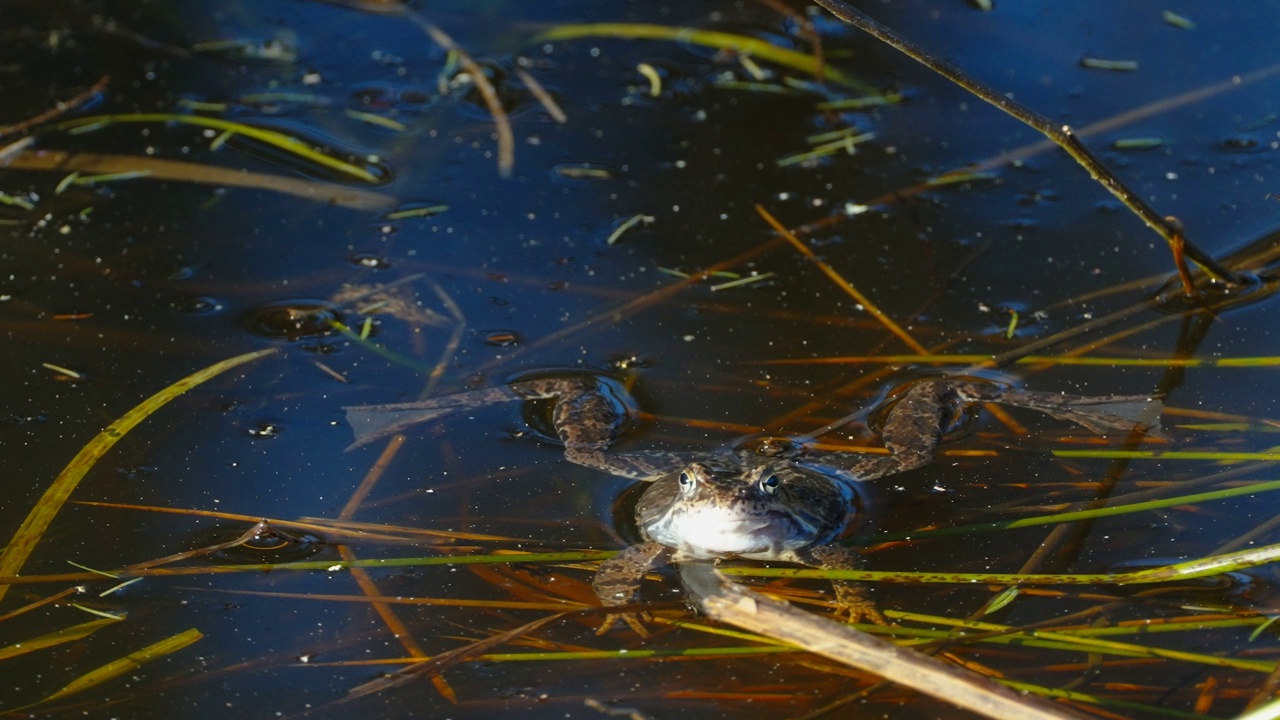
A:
(686, 480)
(771, 484)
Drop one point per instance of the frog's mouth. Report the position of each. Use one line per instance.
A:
(715, 531)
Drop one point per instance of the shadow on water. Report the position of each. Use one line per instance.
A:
(440, 275)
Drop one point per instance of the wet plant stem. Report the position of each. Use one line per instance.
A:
(1062, 135)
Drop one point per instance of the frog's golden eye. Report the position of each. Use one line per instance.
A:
(771, 484)
(686, 480)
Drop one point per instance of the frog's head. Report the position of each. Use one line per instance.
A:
(712, 509)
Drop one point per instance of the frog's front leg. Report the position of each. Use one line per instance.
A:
(617, 582)
(851, 597)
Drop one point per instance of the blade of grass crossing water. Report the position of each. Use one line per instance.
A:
(37, 522)
(126, 664)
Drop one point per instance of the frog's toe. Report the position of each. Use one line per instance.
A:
(633, 620)
(853, 604)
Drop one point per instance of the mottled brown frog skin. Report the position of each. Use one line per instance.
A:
(769, 502)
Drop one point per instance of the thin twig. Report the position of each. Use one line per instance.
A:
(1063, 135)
(849, 289)
(61, 108)
(502, 125)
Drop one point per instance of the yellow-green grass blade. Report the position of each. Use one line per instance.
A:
(288, 143)
(57, 637)
(744, 44)
(33, 528)
(126, 664)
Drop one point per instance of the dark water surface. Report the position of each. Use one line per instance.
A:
(137, 283)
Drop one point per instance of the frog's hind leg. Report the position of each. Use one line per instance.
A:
(1102, 414)
(372, 422)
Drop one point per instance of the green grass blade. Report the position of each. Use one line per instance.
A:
(1168, 455)
(57, 637)
(1085, 514)
(126, 664)
(755, 47)
(1189, 570)
(32, 529)
(288, 143)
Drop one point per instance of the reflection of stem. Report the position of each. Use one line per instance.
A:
(1060, 134)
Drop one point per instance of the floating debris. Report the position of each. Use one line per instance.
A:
(742, 281)
(1113, 65)
(1146, 143)
(651, 74)
(417, 212)
(374, 119)
(627, 225)
(1177, 20)
(110, 177)
(65, 372)
(16, 201)
(582, 171)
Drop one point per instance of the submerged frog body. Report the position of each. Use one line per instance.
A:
(773, 501)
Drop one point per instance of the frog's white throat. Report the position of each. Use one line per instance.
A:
(713, 531)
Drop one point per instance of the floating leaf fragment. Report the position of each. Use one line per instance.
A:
(1141, 143)
(627, 225)
(650, 73)
(743, 281)
(1177, 20)
(379, 120)
(1112, 65)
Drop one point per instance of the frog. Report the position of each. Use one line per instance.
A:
(768, 499)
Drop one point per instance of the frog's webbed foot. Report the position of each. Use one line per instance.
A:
(617, 582)
(853, 600)
(372, 422)
(1102, 414)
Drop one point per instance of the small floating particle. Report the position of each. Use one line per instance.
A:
(651, 74)
(416, 212)
(502, 338)
(1013, 325)
(742, 281)
(1146, 143)
(959, 177)
(66, 372)
(119, 587)
(330, 371)
(378, 120)
(110, 177)
(16, 201)
(859, 103)
(583, 172)
(202, 105)
(1177, 20)
(755, 71)
(1113, 65)
(66, 182)
(627, 225)
(14, 149)
(99, 613)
